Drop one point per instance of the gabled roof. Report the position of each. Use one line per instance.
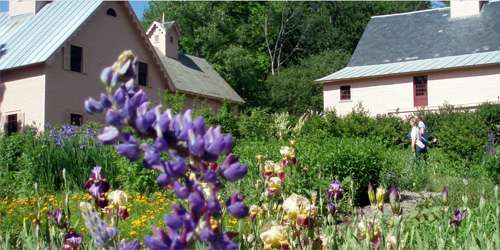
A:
(165, 26)
(31, 39)
(191, 74)
(422, 41)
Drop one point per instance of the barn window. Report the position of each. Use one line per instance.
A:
(12, 124)
(76, 119)
(142, 73)
(345, 93)
(111, 12)
(76, 58)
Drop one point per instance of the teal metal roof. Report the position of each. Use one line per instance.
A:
(433, 64)
(195, 75)
(31, 39)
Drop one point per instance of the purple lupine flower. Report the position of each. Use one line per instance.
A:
(458, 216)
(56, 217)
(109, 135)
(236, 207)
(191, 168)
(92, 106)
(335, 191)
(131, 245)
(72, 240)
(129, 148)
(101, 233)
(113, 118)
(158, 241)
(231, 169)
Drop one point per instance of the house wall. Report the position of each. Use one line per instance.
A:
(22, 92)
(387, 94)
(103, 38)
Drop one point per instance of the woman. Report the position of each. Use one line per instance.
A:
(417, 146)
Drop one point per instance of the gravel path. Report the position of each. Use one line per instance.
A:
(409, 201)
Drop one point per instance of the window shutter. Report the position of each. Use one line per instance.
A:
(66, 56)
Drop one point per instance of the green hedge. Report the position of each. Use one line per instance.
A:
(320, 160)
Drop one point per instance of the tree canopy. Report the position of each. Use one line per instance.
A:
(252, 43)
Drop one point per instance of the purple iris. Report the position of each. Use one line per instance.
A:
(72, 240)
(56, 216)
(332, 207)
(458, 216)
(97, 186)
(335, 191)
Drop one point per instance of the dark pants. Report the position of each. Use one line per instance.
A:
(420, 153)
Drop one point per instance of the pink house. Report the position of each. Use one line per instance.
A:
(55, 50)
(422, 60)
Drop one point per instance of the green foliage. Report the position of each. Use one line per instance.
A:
(462, 134)
(320, 161)
(249, 41)
(43, 161)
(491, 114)
(492, 165)
(256, 124)
(294, 90)
(176, 102)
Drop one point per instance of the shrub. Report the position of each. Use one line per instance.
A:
(462, 135)
(492, 165)
(256, 124)
(319, 161)
(490, 113)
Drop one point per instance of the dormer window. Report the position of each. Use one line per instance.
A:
(111, 12)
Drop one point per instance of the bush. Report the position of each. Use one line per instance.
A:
(490, 113)
(320, 160)
(462, 135)
(492, 165)
(256, 124)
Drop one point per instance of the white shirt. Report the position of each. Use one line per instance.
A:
(416, 137)
(421, 125)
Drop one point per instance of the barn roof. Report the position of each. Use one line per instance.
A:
(191, 74)
(31, 39)
(423, 41)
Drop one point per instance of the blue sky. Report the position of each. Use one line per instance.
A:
(139, 6)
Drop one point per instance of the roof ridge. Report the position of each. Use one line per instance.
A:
(410, 12)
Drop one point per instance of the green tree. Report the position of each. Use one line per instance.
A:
(294, 89)
(249, 41)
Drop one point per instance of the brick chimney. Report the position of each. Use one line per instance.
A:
(465, 8)
(165, 37)
(19, 7)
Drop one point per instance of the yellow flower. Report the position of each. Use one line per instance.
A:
(117, 198)
(275, 237)
(274, 185)
(255, 211)
(287, 152)
(296, 204)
